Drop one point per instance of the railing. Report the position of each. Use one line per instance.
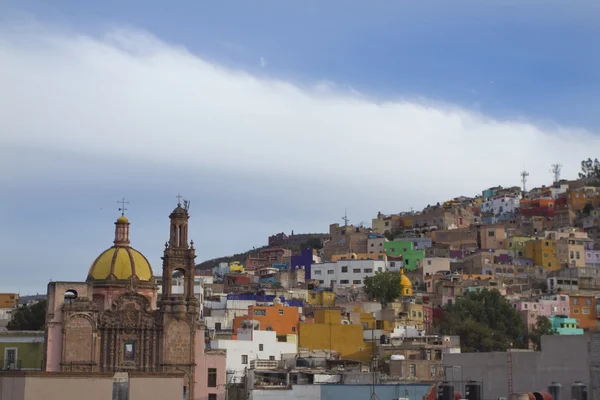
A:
(10, 365)
(264, 364)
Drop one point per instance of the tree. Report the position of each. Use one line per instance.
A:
(590, 169)
(485, 321)
(312, 243)
(542, 327)
(383, 286)
(29, 318)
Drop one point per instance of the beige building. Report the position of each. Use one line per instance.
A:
(36, 385)
(386, 223)
(376, 244)
(456, 238)
(433, 265)
(492, 236)
(571, 251)
(345, 239)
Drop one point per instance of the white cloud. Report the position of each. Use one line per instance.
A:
(128, 94)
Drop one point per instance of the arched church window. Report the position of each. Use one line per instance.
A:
(70, 296)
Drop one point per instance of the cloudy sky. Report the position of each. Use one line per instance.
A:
(271, 116)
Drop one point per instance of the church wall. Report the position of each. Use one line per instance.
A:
(79, 334)
(177, 342)
(55, 319)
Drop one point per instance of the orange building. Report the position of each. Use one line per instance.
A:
(278, 317)
(9, 300)
(583, 309)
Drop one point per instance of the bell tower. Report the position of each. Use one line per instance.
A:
(179, 307)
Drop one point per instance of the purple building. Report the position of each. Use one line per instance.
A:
(303, 261)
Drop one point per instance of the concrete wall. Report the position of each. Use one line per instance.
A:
(298, 392)
(563, 359)
(155, 387)
(29, 386)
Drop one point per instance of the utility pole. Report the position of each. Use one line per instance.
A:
(509, 373)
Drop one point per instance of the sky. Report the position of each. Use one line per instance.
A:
(273, 116)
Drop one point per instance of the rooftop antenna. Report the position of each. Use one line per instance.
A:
(122, 203)
(345, 219)
(524, 175)
(555, 170)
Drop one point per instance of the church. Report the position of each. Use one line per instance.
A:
(114, 321)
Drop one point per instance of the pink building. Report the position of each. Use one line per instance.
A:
(552, 305)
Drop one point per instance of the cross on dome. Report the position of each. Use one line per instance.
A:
(122, 203)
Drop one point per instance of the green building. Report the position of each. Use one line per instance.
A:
(22, 350)
(565, 325)
(405, 248)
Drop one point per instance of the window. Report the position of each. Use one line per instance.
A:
(217, 326)
(271, 358)
(344, 281)
(576, 311)
(432, 371)
(280, 312)
(379, 269)
(585, 310)
(244, 359)
(321, 281)
(404, 250)
(260, 312)
(344, 269)
(212, 396)
(392, 249)
(329, 272)
(261, 347)
(575, 301)
(293, 329)
(420, 314)
(428, 262)
(588, 302)
(572, 256)
(577, 256)
(356, 282)
(368, 271)
(412, 369)
(212, 377)
(356, 270)
(491, 233)
(317, 272)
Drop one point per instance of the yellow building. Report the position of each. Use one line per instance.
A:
(328, 333)
(359, 256)
(408, 222)
(410, 314)
(321, 298)
(516, 245)
(542, 252)
(236, 266)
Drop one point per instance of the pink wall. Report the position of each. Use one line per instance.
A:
(204, 361)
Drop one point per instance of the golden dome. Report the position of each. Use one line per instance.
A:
(122, 220)
(405, 285)
(122, 263)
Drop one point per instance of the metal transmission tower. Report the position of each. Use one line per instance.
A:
(524, 175)
(555, 170)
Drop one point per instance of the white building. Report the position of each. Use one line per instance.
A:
(252, 345)
(346, 272)
(504, 203)
(178, 288)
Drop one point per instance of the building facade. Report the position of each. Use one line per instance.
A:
(346, 272)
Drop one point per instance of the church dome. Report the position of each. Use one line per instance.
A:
(405, 285)
(121, 261)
